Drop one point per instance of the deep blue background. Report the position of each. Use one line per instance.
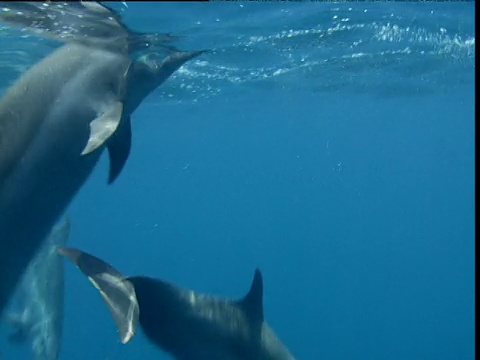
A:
(330, 145)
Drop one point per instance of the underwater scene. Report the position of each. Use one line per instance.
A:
(237, 180)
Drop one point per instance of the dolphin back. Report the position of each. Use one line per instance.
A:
(116, 291)
(85, 22)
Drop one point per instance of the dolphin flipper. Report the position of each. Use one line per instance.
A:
(117, 292)
(119, 149)
(103, 127)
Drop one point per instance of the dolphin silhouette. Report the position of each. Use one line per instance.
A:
(186, 324)
(56, 120)
(37, 316)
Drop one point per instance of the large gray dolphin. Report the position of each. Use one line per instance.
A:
(184, 323)
(37, 315)
(55, 122)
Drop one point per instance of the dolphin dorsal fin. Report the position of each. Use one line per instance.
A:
(252, 303)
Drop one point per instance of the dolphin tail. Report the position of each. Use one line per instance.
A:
(117, 292)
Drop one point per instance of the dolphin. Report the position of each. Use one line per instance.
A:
(86, 22)
(37, 317)
(186, 324)
(55, 122)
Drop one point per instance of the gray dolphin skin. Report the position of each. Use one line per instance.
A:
(59, 116)
(184, 323)
(37, 316)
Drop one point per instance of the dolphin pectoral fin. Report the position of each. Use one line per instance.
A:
(117, 292)
(119, 149)
(102, 127)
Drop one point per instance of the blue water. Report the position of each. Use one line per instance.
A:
(330, 145)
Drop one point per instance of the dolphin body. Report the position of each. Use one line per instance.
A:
(55, 122)
(184, 323)
(37, 317)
